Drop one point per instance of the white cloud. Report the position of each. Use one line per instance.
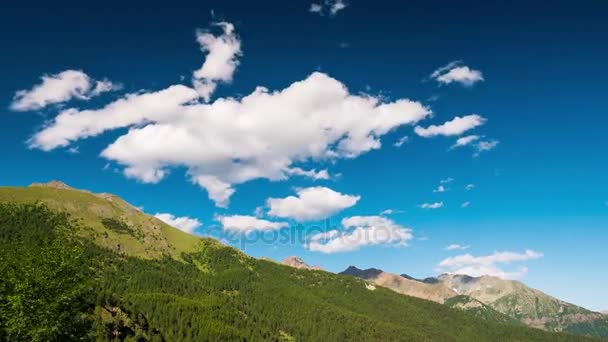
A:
(59, 88)
(390, 212)
(469, 187)
(440, 188)
(218, 190)
(315, 203)
(456, 126)
(401, 141)
(234, 141)
(456, 72)
(435, 205)
(263, 135)
(244, 224)
(464, 141)
(183, 223)
(360, 231)
(446, 180)
(297, 171)
(315, 8)
(331, 7)
(486, 145)
(221, 59)
(465, 204)
(456, 246)
(487, 265)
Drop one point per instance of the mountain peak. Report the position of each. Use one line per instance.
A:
(365, 274)
(53, 184)
(297, 262)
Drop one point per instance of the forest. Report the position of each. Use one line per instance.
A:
(56, 285)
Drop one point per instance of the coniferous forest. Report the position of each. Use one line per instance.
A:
(58, 286)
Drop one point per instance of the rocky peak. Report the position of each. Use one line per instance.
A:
(298, 263)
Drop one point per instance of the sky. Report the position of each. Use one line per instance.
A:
(418, 137)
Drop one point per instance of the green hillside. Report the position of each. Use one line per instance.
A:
(80, 266)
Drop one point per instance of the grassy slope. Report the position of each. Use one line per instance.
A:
(216, 292)
(152, 238)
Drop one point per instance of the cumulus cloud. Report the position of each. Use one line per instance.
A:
(183, 223)
(469, 187)
(221, 59)
(233, 141)
(60, 88)
(360, 231)
(244, 224)
(435, 205)
(456, 246)
(457, 72)
(456, 126)
(314, 203)
(330, 7)
(229, 141)
(465, 204)
(488, 264)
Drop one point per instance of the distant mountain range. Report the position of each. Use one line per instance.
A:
(75, 265)
(486, 293)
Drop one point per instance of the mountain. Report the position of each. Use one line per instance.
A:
(411, 287)
(530, 306)
(495, 298)
(81, 266)
(298, 263)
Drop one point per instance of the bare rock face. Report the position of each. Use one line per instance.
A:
(408, 286)
(298, 263)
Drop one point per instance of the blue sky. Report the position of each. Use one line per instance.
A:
(536, 75)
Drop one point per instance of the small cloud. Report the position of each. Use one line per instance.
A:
(183, 223)
(465, 204)
(486, 145)
(464, 141)
(60, 88)
(259, 211)
(456, 126)
(330, 7)
(456, 246)
(435, 205)
(73, 150)
(315, 8)
(314, 203)
(440, 188)
(476, 266)
(469, 187)
(401, 141)
(390, 212)
(457, 72)
(446, 180)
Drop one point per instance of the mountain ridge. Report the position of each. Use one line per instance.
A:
(509, 297)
